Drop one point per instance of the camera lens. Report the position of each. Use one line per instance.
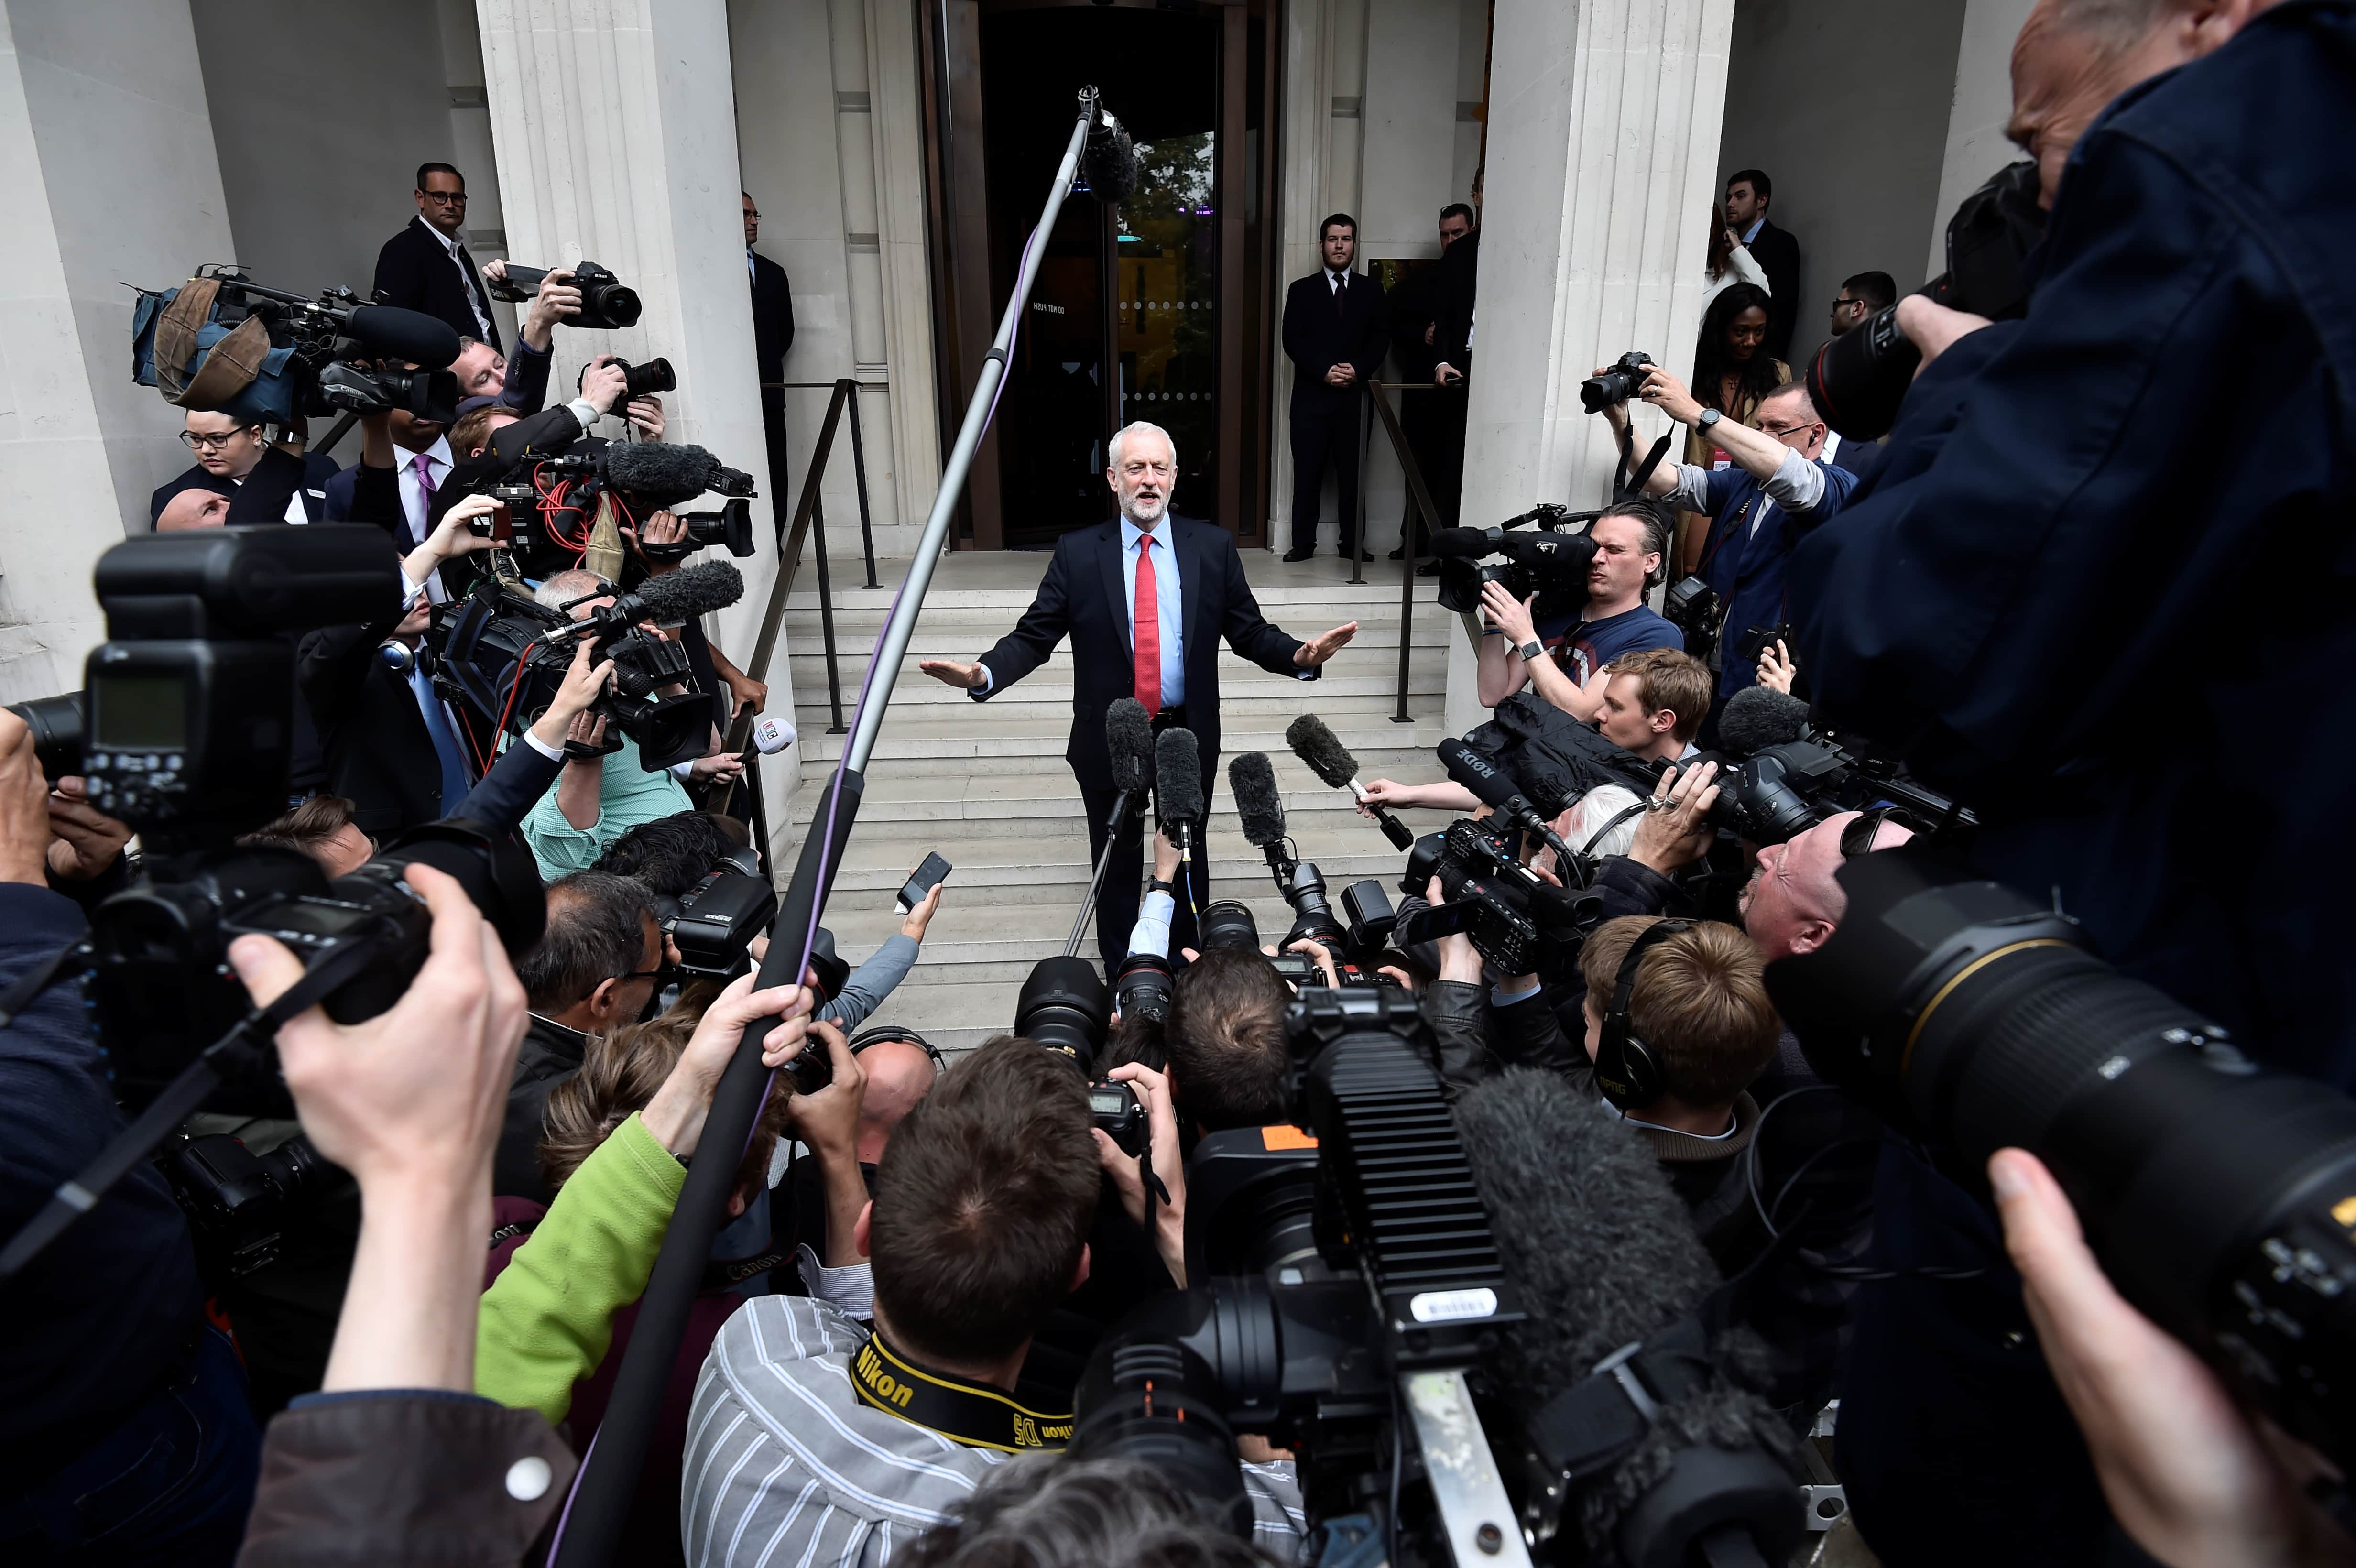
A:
(1143, 987)
(1063, 1006)
(56, 724)
(1227, 924)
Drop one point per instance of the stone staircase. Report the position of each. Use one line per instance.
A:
(986, 783)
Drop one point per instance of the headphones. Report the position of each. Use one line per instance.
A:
(900, 1033)
(1625, 1067)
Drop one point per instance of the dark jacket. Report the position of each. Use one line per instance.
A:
(550, 1054)
(1321, 332)
(1778, 255)
(402, 1476)
(263, 498)
(773, 320)
(1452, 339)
(2125, 526)
(1083, 595)
(415, 273)
(512, 787)
(95, 1321)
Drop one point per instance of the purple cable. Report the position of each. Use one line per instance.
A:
(999, 390)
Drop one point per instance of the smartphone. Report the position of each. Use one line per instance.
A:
(927, 877)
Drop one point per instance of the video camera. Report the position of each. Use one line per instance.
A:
(2220, 1197)
(1793, 776)
(502, 655)
(555, 496)
(606, 304)
(273, 356)
(1857, 380)
(1350, 1302)
(1551, 562)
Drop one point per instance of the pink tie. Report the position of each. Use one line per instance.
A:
(424, 463)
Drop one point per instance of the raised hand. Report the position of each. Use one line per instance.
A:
(948, 672)
(1317, 650)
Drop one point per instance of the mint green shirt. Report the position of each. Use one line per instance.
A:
(626, 796)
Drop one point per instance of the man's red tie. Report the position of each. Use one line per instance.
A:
(1146, 630)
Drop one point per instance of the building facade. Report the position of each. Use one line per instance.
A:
(898, 150)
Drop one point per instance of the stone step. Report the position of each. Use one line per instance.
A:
(1001, 946)
(1037, 740)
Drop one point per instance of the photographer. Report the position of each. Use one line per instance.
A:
(522, 381)
(559, 1305)
(813, 1440)
(602, 796)
(1781, 487)
(113, 1385)
(1563, 654)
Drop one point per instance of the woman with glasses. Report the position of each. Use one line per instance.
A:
(264, 482)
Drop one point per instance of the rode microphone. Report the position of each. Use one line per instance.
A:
(1623, 1406)
(397, 333)
(1314, 744)
(1759, 717)
(1499, 792)
(1178, 788)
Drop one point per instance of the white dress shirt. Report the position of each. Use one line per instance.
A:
(465, 281)
(415, 504)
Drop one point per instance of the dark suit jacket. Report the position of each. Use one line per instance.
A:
(1319, 333)
(1082, 595)
(1414, 305)
(1778, 255)
(263, 498)
(511, 788)
(415, 273)
(1460, 269)
(773, 318)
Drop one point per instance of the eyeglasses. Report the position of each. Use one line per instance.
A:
(197, 440)
(446, 197)
(654, 974)
(1783, 432)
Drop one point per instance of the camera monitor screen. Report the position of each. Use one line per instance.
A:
(139, 712)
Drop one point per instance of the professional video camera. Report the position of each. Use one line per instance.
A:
(2220, 1197)
(606, 305)
(1857, 380)
(1550, 563)
(1357, 947)
(1351, 1302)
(269, 355)
(190, 708)
(556, 497)
(501, 654)
(1793, 776)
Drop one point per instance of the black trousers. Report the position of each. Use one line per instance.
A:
(1324, 435)
(1433, 423)
(773, 426)
(1123, 891)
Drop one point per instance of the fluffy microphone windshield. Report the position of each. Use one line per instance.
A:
(1108, 160)
(1759, 717)
(655, 475)
(409, 335)
(691, 591)
(1258, 801)
(1178, 776)
(1129, 739)
(1326, 756)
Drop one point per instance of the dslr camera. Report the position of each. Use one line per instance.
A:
(1617, 384)
(606, 304)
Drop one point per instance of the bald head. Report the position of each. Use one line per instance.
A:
(898, 1075)
(192, 509)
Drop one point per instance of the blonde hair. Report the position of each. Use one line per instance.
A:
(1699, 1001)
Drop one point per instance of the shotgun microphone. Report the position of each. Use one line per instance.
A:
(1108, 161)
(1496, 790)
(1314, 744)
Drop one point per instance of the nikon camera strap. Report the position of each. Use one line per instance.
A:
(964, 1413)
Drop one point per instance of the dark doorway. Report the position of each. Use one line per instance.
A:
(1143, 312)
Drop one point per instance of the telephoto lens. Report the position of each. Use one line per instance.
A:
(1063, 1007)
(2220, 1197)
(1143, 988)
(1228, 923)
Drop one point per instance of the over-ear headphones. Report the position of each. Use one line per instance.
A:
(1625, 1067)
(901, 1034)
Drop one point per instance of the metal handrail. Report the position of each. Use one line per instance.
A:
(1421, 496)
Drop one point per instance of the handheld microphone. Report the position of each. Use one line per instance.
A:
(773, 735)
(1261, 806)
(1314, 744)
(1759, 717)
(1613, 1383)
(1108, 161)
(1129, 741)
(1178, 787)
(1499, 792)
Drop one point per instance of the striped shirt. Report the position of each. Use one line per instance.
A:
(785, 1466)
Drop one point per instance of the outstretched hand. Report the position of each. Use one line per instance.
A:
(1317, 650)
(948, 672)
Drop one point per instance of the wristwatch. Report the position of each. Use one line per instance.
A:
(1533, 649)
(1156, 885)
(1709, 417)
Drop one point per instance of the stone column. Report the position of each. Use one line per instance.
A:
(1603, 119)
(617, 139)
(1977, 148)
(105, 132)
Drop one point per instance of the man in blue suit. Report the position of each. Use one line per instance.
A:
(1191, 575)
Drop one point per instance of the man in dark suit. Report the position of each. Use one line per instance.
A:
(773, 336)
(266, 483)
(1096, 589)
(1336, 330)
(1749, 193)
(425, 268)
